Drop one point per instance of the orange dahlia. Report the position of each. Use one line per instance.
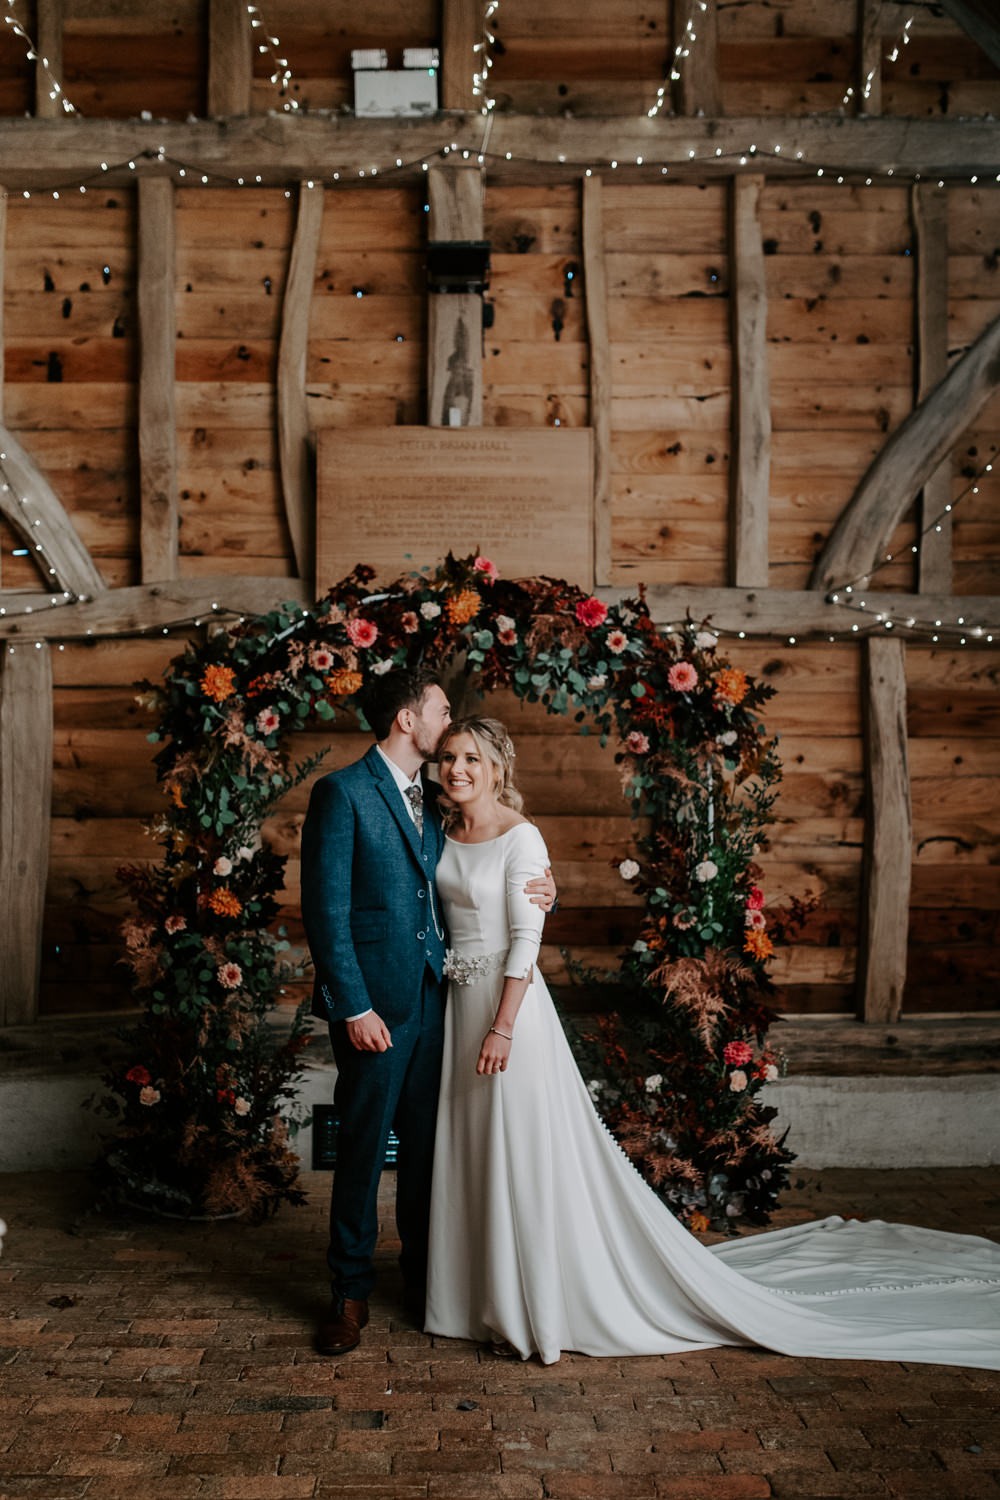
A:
(758, 944)
(463, 607)
(341, 684)
(224, 903)
(699, 1222)
(731, 685)
(218, 683)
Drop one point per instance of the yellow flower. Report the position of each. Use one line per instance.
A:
(218, 683)
(463, 607)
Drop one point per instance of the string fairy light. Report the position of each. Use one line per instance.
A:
(54, 86)
(484, 55)
(682, 49)
(268, 45)
(903, 40)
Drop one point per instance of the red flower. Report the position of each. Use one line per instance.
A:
(591, 612)
(483, 565)
(637, 743)
(737, 1054)
(226, 1096)
(139, 1075)
(362, 632)
(755, 900)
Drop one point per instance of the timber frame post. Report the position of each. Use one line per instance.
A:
(595, 282)
(455, 319)
(159, 523)
(25, 818)
(750, 470)
(295, 456)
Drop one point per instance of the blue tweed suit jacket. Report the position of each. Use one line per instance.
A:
(368, 898)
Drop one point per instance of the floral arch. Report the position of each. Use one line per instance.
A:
(202, 1106)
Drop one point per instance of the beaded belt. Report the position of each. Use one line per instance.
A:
(463, 968)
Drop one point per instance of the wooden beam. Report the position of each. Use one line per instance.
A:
(455, 319)
(60, 554)
(595, 283)
(868, 73)
(287, 148)
(25, 810)
(49, 20)
(296, 461)
(750, 469)
(696, 57)
(888, 837)
(929, 207)
(461, 31)
(979, 19)
(230, 58)
(158, 524)
(908, 459)
(773, 614)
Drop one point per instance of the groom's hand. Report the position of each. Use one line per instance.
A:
(542, 890)
(369, 1033)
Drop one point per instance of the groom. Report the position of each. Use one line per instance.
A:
(370, 847)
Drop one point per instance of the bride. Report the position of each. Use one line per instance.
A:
(543, 1235)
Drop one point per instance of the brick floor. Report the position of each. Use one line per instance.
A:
(149, 1360)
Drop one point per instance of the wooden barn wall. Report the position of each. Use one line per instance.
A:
(840, 329)
(585, 57)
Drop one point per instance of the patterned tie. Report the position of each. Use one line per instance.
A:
(415, 797)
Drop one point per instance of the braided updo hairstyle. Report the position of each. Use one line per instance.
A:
(497, 749)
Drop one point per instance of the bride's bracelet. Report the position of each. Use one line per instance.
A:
(507, 1036)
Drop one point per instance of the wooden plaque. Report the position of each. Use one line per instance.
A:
(400, 497)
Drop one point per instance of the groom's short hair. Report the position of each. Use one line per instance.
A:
(402, 688)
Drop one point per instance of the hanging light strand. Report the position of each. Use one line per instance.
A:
(54, 86)
(484, 57)
(682, 50)
(268, 45)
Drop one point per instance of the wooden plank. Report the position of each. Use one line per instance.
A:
(930, 226)
(868, 74)
(695, 57)
(750, 468)
(455, 320)
(294, 447)
(148, 607)
(979, 19)
(908, 459)
(35, 511)
(25, 801)
(888, 834)
(157, 342)
(230, 58)
(596, 286)
(49, 23)
(461, 33)
(283, 149)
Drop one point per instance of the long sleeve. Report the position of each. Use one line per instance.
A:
(328, 838)
(525, 858)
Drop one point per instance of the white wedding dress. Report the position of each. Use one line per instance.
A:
(544, 1234)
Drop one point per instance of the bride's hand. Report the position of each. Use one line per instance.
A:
(493, 1054)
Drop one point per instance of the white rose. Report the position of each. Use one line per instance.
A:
(504, 622)
(639, 946)
(706, 871)
(771, 1072)
(222, 866)
(705, 640)
(729, 738)
(737, 1081)
(429, 610)
(597, 682)
(244, 852)
(242, 1106)
(381, 667)
(653, 1082)
(594, 1089)
(628, 869)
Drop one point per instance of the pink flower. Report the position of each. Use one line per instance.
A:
(149, 1095)
(229, 975)
(591, 612)
(637, 743)
(320, 658)
(683, 920)
(737, 1081)
(682, 677)
(409, 622)
(222, 866)
(268, 721)
(242, 1106)
(737, 1054)
(507, 637)
(506, 629)
(755, 920)
(483, 565)
(139, 1075)
(755, 900)
(617, 641)
(175, 924)
(362, 632)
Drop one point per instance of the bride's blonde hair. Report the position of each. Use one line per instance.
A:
(497, 749)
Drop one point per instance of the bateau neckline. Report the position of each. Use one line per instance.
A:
(481, 843)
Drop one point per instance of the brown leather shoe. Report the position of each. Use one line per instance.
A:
(341, 1332)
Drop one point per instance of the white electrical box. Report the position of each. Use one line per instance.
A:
(411, 91)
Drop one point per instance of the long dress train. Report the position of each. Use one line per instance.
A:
(544, 1234)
